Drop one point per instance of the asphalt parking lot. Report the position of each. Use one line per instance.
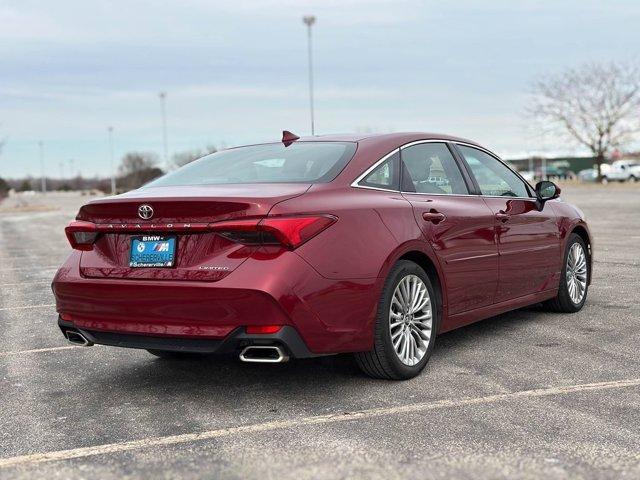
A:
(527, 394)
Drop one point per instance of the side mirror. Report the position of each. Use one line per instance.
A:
(546, 190)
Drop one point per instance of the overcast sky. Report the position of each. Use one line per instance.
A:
(236, 71)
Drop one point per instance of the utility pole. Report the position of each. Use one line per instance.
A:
(163, 98)
(309, 20)
(43, 178)
(111, 168)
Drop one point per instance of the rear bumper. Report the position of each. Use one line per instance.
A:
(329, 316)
(286, 337)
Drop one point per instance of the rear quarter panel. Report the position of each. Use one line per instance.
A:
(371, 224)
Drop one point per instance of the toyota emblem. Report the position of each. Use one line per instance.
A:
(145, 211)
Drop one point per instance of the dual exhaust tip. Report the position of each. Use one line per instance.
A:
(252, 353)
(263, 354)
(77, 338)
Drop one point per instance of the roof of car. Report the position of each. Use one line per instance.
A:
(399, 137)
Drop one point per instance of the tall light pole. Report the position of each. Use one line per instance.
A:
(111, 170)
(163, 98)
(43, 179)
(309, 20)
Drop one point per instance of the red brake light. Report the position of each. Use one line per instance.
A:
(288, 231)
(263, 329)
(81, 235)
(294, 231)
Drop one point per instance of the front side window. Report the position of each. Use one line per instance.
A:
(384, 176)
(303, 162)
(494, 178)
(430, 168)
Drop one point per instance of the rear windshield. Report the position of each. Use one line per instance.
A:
(304, 162)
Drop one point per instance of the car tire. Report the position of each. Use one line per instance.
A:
(633, 179)
(604, 180)
(383, 361)
(564, 302)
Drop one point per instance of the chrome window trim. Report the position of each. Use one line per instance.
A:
(355, 183)
(442, 194)
(418, 142)
(376, 188)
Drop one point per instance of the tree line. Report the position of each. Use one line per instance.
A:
(135, 170)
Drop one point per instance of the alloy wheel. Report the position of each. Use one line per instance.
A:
(411, 320)
(576, 273)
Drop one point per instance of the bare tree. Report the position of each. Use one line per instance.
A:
(181, 159)
(138, 168)
(595, 105)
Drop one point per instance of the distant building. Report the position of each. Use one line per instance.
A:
(565, 164)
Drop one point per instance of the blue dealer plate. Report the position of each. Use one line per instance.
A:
(152, 251)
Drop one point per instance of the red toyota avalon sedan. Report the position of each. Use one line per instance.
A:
(369, 244)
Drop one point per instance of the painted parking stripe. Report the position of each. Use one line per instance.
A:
(37, 350)
(306, 421)
(24, 307)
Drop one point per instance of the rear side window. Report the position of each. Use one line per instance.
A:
(494, 178)
(303, 162)
(430, 168)
(385, 176)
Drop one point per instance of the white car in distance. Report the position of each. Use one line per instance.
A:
(622, 171)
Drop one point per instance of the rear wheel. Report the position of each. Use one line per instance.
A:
(574, 278)
(406, 325)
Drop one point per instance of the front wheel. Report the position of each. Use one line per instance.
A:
(406, 325)
(574, 283)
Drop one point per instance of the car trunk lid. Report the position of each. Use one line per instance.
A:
(183, 213)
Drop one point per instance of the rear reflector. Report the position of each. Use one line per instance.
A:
(288, 231)
(81, 235)
(263, 329)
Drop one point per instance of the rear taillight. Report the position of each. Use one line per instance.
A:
(81, 235)
(290, 232)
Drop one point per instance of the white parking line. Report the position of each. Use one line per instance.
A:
(315, 420)
(37, 350)
(24, 307)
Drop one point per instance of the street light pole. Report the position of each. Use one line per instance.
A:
(309, 20)
(163, 98)
(111, 169)
(43, 179)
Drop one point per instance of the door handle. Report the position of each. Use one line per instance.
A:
(502, 216)
(434, 216)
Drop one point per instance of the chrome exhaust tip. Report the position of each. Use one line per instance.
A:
(75, 337)
(263, 354)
